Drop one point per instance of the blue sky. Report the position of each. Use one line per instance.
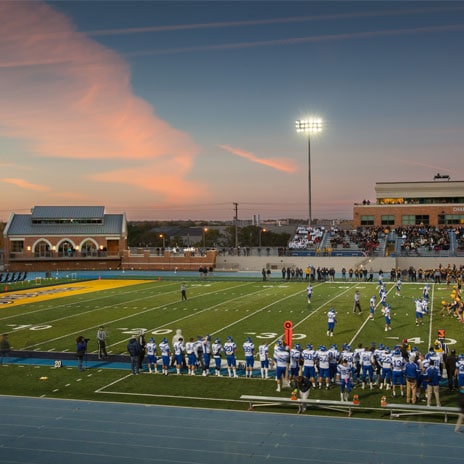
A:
(178, 110)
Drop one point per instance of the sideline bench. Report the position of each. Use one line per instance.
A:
(398, 410)
(343, 406)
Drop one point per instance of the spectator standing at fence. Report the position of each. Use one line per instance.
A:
(101, 342)
(5, 347)
(357, 302)
(134, 349)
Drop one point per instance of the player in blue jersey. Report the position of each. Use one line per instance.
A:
(249, 351)
(331, 320)
(229, 349)
(216, 349)
(263, 353)
(150, 350)
(459, 372)
(281, 359)
(165, 355)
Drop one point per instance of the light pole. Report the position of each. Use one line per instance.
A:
(164, 240)
(309, 126)
(204, 237)
(260, 232)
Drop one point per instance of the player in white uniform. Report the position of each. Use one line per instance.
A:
(263, 353)
(281, 358)
(331, 320)
(309, 292)
(179, 348)
(150, 350)
(216, 349)
(249, 351)
(229, 350)
(165, 355)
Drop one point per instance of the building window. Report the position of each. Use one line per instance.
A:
(367, 220)
(388, 220)
(450, 219)
(17, 246)
(412, 220)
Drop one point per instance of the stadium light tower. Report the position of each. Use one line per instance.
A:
(309, 127)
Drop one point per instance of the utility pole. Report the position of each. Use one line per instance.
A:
(236, 227)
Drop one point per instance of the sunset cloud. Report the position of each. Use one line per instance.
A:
(281, 164)
(24, 184)
(72, 99)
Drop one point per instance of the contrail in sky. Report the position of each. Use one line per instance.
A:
(298, 40)
(259, 22)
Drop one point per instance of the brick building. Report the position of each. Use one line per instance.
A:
(64, 238)
(438, 203)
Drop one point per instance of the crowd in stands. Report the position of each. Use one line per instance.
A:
(306, 237)
(428, 239)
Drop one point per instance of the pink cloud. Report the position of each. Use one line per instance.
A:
(66, 96)
(281, 164)
(24, 184)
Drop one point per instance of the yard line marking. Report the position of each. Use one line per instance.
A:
(119, 319)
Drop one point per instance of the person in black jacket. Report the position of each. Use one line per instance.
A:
(81, 349)
(134, 349)
(302, 384)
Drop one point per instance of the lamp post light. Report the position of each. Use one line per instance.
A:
(204, 237)
(164, 240)
(260, 232)
(309, 126)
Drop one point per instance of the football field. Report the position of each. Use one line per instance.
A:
(50, 318)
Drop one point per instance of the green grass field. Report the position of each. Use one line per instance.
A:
(51, 321)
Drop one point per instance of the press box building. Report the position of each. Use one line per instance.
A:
(437, 203)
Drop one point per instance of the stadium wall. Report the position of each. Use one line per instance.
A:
(276, 263)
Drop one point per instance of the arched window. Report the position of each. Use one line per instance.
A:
(89, 248)
(42, 249)
(65, 249)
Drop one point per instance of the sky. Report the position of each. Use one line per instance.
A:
(187, 109)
